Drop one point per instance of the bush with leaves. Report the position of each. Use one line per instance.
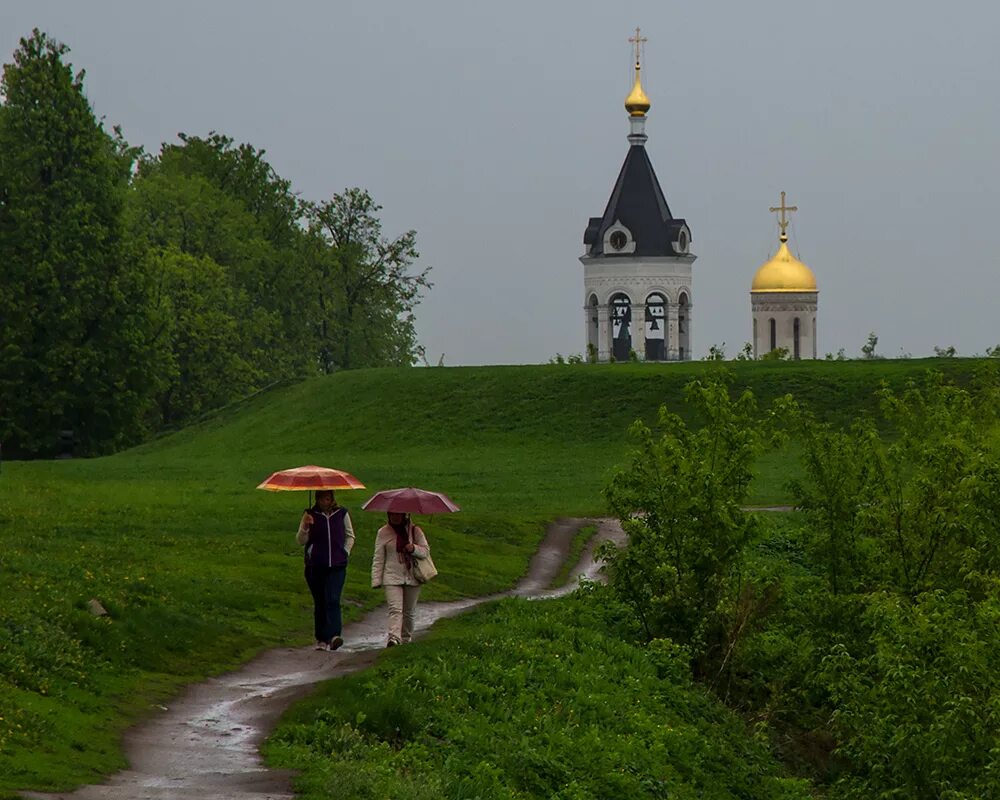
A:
(914, 508)
(521, 700)
(892, 659)
(680, 501)
(918, 715)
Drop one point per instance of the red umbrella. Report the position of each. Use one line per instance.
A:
(301, 479)
(410, 501)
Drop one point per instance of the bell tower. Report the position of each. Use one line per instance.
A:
(637, 258)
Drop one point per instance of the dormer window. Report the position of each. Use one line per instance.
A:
(618, 240)
(682, 241)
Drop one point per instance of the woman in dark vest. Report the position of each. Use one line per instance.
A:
(328, 536)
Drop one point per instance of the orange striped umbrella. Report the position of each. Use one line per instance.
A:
(311, 477)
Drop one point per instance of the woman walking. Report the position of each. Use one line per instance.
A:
(397, 544)
(328, 536)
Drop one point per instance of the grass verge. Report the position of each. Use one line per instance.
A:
(522, 700)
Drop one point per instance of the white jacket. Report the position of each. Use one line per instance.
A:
(387, 569)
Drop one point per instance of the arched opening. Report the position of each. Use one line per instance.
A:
(593, 329)
(656, 327)
(774, 335)
(755, 337)
(683, 327)
(814, 337)
(795, 339)
(620, 309)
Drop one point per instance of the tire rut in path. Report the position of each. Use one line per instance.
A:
(205, 745)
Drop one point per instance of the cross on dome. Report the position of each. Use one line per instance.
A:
(638, 41)
(783, 222)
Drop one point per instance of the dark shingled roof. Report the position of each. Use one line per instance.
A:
(638, 203)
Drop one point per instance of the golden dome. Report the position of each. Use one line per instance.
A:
(637, 104)
(784, 273)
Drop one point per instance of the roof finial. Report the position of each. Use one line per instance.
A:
(638, 41)
(783, 222)
(637, 104)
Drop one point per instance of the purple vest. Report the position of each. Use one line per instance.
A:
(325, 547)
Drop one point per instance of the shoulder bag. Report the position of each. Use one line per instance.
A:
(423, 569)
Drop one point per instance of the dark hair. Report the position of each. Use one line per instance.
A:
(402, 528)
(324, 491)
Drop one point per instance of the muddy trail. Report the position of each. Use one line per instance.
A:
(205, 744)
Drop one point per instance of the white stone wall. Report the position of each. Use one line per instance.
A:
(783, 308)
(637, 278)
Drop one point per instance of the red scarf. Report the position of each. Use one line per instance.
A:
(403, 539)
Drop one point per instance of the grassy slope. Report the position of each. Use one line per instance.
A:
(198, 570)
(523, 700)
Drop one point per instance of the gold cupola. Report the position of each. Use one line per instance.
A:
(784, 273)
(637, 104)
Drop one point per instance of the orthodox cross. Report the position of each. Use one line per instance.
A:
(638, 41)
(783, 223)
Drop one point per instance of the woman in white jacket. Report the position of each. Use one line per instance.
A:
(396, 545)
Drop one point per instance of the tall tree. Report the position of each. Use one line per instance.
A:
(196, 311)
(206, 198)
(242, 173)
(364, 290)
(72, 316)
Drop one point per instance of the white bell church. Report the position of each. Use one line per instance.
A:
(637, 270)
(637, 259)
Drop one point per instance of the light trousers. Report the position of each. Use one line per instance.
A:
(402, 604)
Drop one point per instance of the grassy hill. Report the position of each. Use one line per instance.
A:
(198, 570)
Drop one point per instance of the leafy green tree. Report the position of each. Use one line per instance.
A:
(868, 348)
(836, 485)
(242, 173)
(936, 495)
(679, 499)
(205, 207)
(206, 365)
(916, 713)
(75, 327)
(208, 199)
(364, 292)
(913, 508)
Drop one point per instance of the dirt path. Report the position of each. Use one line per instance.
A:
(205, 744)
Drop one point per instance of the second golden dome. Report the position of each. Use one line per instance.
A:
(784, 273)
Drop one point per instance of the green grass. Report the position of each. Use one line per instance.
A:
(525, 700)
(198, 570)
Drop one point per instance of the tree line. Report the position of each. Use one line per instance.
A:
(138, 291)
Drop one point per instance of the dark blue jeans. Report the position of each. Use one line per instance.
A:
(326, 585)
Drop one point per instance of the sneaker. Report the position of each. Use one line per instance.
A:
(391, 643)
(320, 645)
(335, 642)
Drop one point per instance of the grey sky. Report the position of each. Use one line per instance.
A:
(496, 129)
